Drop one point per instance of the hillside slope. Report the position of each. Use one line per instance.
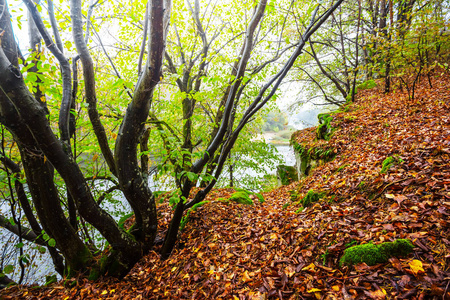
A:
(231, 251)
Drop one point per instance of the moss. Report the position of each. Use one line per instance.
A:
(366, 85)
(260, 198)
(389, 162)
(324, 131)
(241, 197)
(185, 219)
(299, 210)
(286, 174)
(293, 195)
(84, 258)
(312, 157)
(311, 197)
(109, 264)
(342, 167)
(375, 254)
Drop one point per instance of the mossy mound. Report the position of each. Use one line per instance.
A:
(241, 197)
(376, 254)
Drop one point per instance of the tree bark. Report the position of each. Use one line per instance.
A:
(130, 177)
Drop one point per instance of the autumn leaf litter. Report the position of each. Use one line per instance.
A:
(233, 251)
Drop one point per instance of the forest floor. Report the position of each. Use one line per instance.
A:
(268, 250)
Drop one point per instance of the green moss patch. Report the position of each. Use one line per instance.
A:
(324, 130)
(389, 162)
(311, 197)
(241, 197)
(194, 207)
(366, 85)
(376, 254)
(313, 156)
(286, 174)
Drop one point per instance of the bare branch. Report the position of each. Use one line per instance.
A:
(89, 83)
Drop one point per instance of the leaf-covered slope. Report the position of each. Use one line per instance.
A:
(232, 251)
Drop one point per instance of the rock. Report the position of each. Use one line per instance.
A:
(286, 174)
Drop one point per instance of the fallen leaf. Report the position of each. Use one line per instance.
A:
(246, 277)
(416, 267)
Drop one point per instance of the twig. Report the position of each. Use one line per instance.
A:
(446, 289)
(388, 185)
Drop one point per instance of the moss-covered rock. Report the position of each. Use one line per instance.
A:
(375, 254)
(308, 159)
(286, 174)
(324, 130)
(241, 197)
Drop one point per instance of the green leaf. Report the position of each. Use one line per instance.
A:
(192, 176)
(52, 243)
(8, 269)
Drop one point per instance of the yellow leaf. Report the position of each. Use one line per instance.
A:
(112, 291)
(314, 290)
(416, 266)
(336, 288)
(311, 266)
(94, 158)
(114, 135)
(173, 269)
(246, 277)
(273, 236)
(104, 292)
